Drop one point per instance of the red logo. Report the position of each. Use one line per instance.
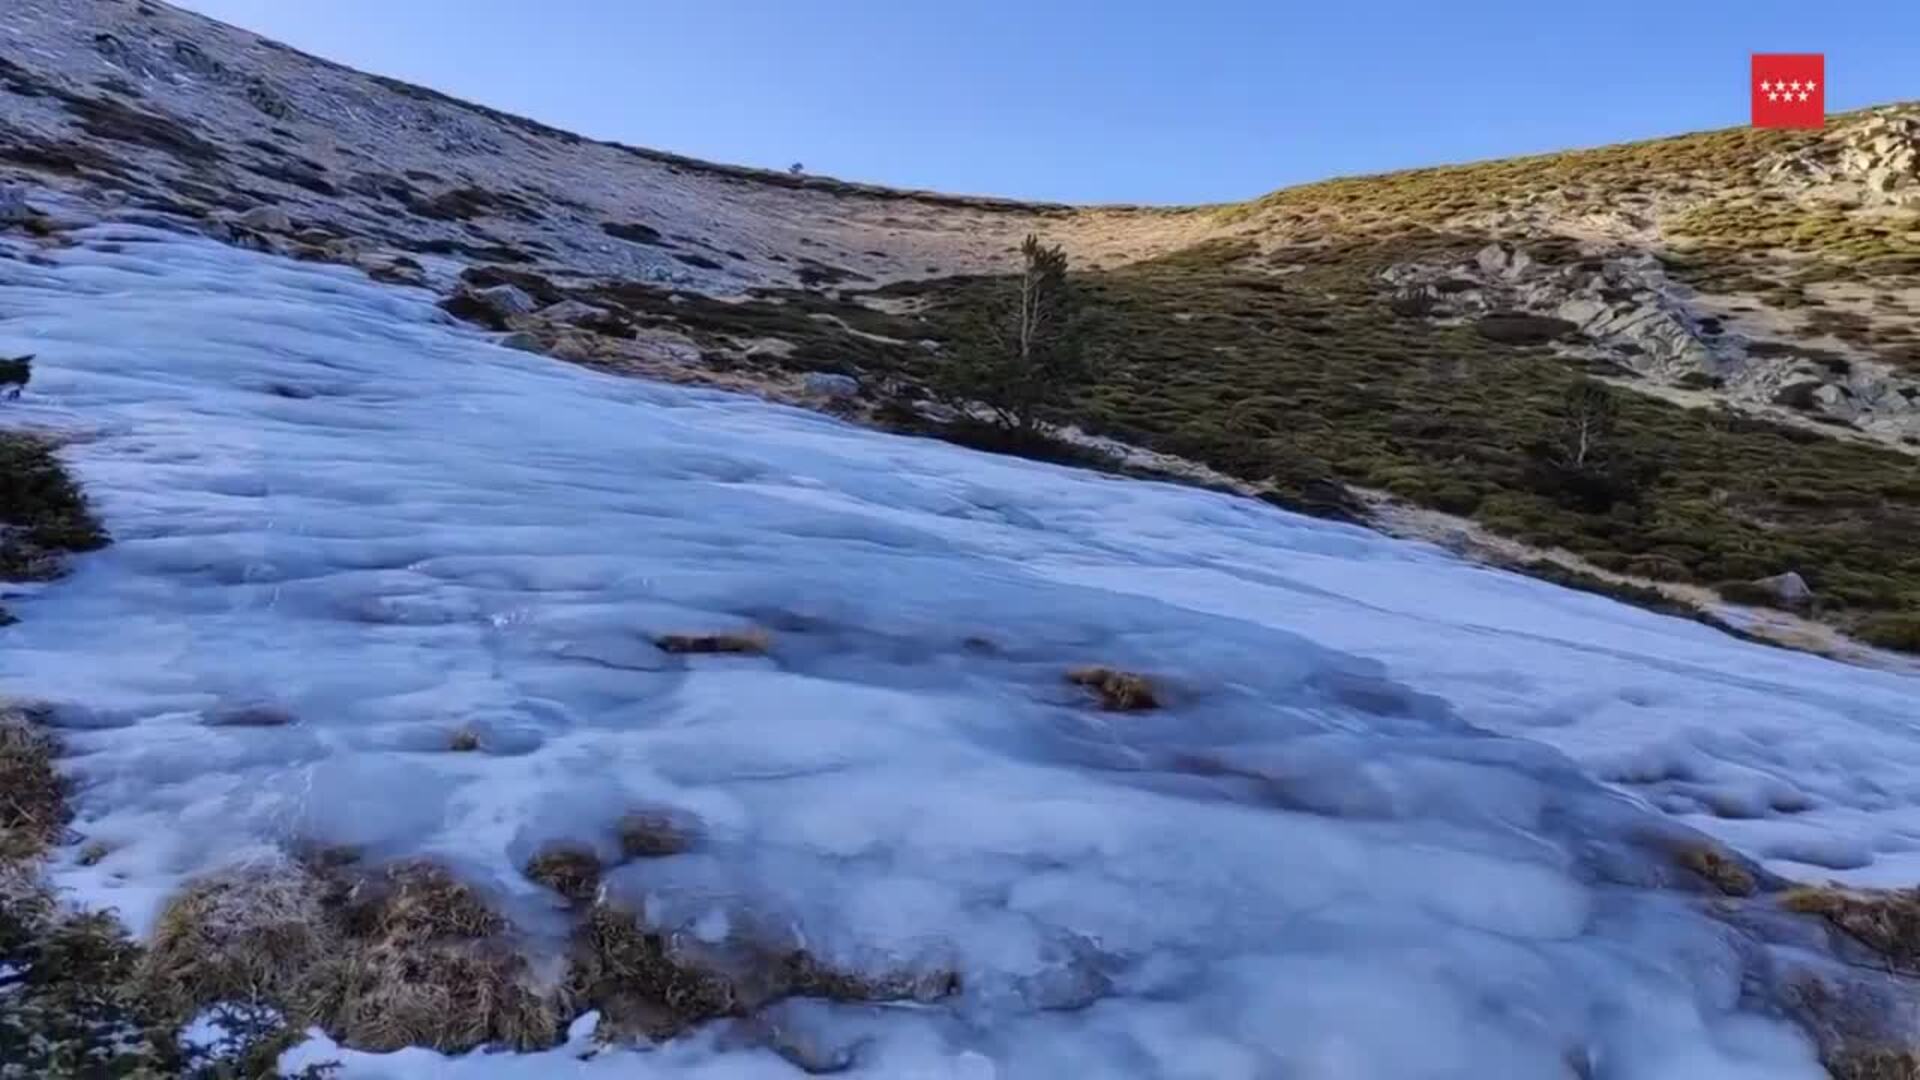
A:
(1789, 90)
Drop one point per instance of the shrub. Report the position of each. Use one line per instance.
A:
(1023, 353)
(1901, 632)
(1582, 463)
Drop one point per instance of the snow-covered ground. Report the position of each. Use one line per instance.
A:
(1321, 859)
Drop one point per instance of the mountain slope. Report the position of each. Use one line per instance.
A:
(384, 590)
(437, 696)
(1756, 293)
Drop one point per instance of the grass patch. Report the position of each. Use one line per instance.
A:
(1886, 921)
(1718, 867)
(570, 870)
(43, 516)
(33, 803)
(1309, 376)
(651, 834)
(737, 642)
(1117, 691)
(402, 956)
(656, 984)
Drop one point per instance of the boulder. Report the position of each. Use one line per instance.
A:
(505, 301)
(266, 219)
(829, 385)
(523, 341)
(13, 205)
(1789, 588)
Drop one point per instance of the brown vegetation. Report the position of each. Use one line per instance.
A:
(1117, 691)
(746, 642)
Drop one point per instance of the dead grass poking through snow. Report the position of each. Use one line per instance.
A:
(251, 934)
(1875, 1065)
(568, 869)
(744, 642)
(403, 956)
(1117, 691)
(427, 963)
(33, 805)
(1719, 867)
(649, 834)
(658, 985)
(1884, 920)
(463, 741)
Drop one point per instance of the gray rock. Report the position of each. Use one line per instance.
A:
(572, 311)
(523, 341)
(13, 205)
(266, 219)
(1791, 589)
(506, 301)
(828, 385)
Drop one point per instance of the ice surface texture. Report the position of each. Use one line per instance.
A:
(346, 530)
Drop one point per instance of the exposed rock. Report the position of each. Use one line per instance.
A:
(13, 205)
(523, 341)
(573, 311)
(506, 300)
(1790, 588)
(266, 219)
(828, 385)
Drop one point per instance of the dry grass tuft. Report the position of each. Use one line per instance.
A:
(1117, 691)
(568, 869)
(426, 963)
(33, 798)
(1874, 1065)
(463, 741)
(1861, 1027)
(403, 956)
(253, 934)
(651, 983)
(633, 977)
(1719, 867)
(746, 642)
(1884, 920)
(646, 834)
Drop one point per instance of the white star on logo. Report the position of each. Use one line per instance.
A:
(1803, 95)
(1795, 84)
(1765, 86)
(1811, 86)
(1773, 97)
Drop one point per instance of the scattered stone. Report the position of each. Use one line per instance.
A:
(523, 341)
(832, 386)
(266, 219)
(1789, 588)
(506, 300)
(14, 209)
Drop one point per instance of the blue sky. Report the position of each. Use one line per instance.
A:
(1201, 101)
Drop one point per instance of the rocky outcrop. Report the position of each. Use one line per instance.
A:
(1879, 154)
(1617, 310)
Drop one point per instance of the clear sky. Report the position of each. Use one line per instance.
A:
(1109, 101)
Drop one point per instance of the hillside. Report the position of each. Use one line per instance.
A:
(1757, 293)
(417, 649)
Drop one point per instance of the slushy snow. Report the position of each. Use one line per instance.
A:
(1384, 828)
